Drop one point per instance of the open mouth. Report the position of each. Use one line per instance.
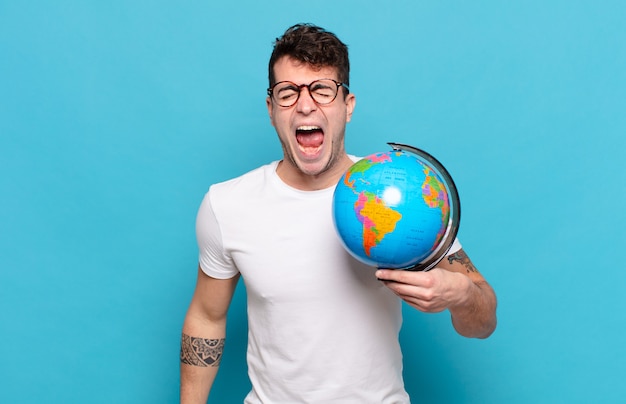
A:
(310, 138)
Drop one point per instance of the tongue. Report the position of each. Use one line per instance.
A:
(310, 139)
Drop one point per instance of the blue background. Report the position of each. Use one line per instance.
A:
(116, 116)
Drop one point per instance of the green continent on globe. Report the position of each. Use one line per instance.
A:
(436, 196)
(361, 166)
(377, 218)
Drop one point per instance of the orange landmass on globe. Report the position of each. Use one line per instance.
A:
(377, 218)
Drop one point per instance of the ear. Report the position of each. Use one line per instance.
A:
(270, 109)
(350, 104)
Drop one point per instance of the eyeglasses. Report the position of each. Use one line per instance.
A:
(324, 91)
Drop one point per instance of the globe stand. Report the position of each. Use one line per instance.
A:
(455, 209)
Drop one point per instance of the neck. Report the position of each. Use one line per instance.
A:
(296, 178)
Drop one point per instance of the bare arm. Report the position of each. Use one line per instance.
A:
(204, 333)
(455, 284)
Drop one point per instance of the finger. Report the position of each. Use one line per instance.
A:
(388, 274)
(422, 279)
(422, 298)
(407, 291)
(422, 304)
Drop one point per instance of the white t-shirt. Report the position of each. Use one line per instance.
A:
(322, 328)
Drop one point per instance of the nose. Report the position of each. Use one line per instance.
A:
(305, 103)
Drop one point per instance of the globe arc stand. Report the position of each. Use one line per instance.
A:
(455, 209)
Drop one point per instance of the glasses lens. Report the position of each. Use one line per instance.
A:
(323, 91)
(286, 93)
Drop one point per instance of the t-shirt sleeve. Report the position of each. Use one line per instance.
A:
(214, 260)
(455, 247)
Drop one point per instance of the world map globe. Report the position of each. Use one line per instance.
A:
(397, 209)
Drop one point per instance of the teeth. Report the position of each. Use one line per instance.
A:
(308, 128)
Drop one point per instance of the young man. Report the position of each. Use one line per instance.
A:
(322, 327)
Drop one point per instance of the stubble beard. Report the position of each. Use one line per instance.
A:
(334, 159)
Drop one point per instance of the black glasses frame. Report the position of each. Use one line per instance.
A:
(270, 91)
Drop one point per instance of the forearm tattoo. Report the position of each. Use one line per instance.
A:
(463, 259)
(201, 352)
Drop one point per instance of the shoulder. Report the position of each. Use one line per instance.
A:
(245, 183)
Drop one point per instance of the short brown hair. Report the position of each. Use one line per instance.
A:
(313, 45)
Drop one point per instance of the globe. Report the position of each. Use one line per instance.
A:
(397, 209)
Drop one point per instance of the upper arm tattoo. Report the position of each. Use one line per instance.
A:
(463, 259)
(201, 351)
